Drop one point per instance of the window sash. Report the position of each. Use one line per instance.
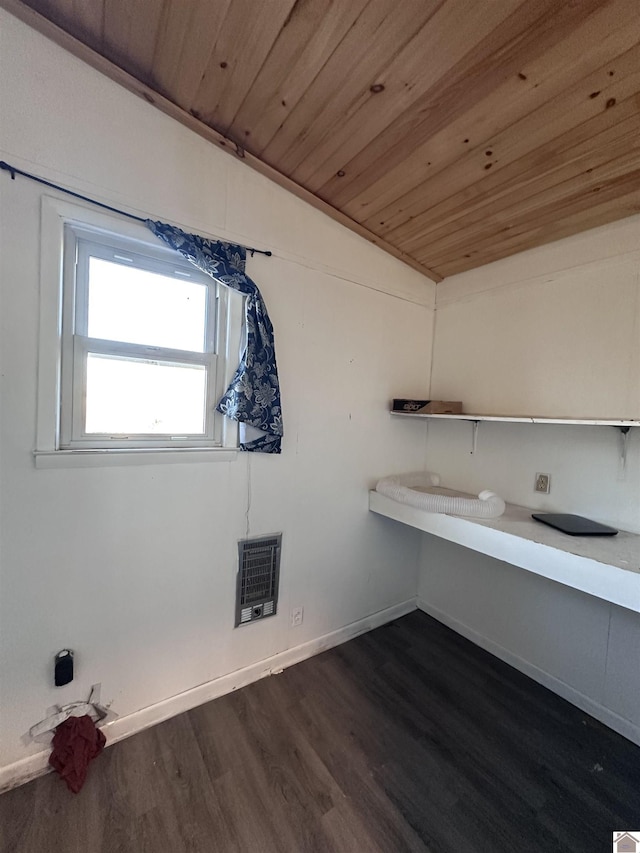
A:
(82, 346)
(173, 267)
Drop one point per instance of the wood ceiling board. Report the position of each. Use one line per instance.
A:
(170, 39)
(525, 211)
(89, 19)
(454, 89)
(617, 148)
(118, 15)
(303, 47)
(82, 19)
(130, 33)
(554, 214)
(403, 222)
(186, 38)
(594, 217)
(531, 167)
(445, 47)
(529, 174)
(388, 168)
(558, 161)
(245, 38)
(379, 33)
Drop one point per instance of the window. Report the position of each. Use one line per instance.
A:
(136, 346)
(142, 338)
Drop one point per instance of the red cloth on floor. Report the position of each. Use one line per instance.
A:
(75, 743)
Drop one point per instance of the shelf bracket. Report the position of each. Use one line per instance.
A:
(622, 460)
(474, 436)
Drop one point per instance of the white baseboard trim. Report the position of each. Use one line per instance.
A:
(36, 765)
(619, 724)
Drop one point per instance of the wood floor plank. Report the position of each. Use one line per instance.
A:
(405, 740)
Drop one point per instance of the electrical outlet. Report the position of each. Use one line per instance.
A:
(297, 615)
(543, 483)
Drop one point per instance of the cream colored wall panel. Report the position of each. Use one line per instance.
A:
(299, 232)
(622, 680)
(566, 345)
(68, 123)
(582, 461)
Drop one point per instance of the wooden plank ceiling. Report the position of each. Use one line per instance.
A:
(455, 132)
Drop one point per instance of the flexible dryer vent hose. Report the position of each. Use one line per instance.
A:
(404, 488)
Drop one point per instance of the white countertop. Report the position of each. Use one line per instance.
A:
(607, 567)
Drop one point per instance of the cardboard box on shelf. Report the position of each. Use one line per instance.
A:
(427, 407)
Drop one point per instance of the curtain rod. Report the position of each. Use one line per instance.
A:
(13, 171)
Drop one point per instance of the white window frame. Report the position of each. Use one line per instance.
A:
(62, 352)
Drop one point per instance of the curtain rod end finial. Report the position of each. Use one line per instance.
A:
(8, 168)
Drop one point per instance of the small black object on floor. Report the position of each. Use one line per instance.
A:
(408, 738)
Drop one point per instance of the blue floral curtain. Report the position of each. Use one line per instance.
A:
(253, 398)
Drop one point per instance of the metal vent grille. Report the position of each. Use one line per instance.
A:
(258, 576)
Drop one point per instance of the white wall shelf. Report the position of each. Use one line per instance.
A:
(523, 419)
(607, 567)
(476, 419)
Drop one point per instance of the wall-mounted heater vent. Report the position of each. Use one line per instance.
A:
(258, 575)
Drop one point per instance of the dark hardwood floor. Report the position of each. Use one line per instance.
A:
(408, 738)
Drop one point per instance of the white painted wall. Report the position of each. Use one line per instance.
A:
(134, 567)
(554, 331)
(583, 461)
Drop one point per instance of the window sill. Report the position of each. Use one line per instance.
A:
(131, 456)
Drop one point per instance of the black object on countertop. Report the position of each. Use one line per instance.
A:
(574, 525)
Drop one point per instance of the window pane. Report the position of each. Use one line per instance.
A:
(130, 396)
(141, 307)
